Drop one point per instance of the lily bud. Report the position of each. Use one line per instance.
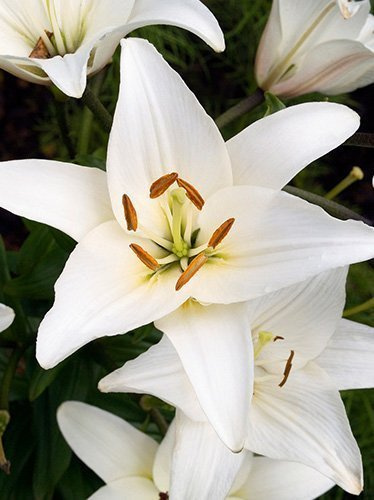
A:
(322, 46)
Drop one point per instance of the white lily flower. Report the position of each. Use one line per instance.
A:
(166, 224)
(6, 317)
(135, 467)
(309, 46)
(303, 354)
(63, 41)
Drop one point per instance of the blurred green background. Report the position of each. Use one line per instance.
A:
(33, 255)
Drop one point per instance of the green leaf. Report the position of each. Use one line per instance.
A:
(41, 379)
(35, 247)
(273, 104)
(63, 240)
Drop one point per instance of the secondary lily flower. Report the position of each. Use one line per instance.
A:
(311, 47)
(6, 317)
(46, 41)
(135, 467)
(166, 223)
(303, 353)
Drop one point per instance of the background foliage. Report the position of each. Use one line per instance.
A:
(32, 255)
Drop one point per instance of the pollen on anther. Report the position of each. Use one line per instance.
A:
(162, 184)
(130, 213)
(192, 193)
(287, 369)
(277, 337)
(145, 257)
(40, 50)
(221, 233)
(192, 268)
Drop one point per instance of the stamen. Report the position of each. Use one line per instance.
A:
(277, 337)
(40, 50)
(162, 184)
(221, 233)
(287, 369)
(192, 193)
(130, 213)
(145, 257)
(191, 270)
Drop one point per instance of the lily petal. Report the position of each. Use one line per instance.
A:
(163, 459)
(277, 240)
(104, 290)
(111, 447)
(191, 15)
(298, 135)
(203, 467)
(281, 480)
(68, 197)
(159, 372)
(159, 127)
(6, 317)
(215, 347)
(129, 488)
(68, 73)
(305, 315)
(305, 421)
(349, 356)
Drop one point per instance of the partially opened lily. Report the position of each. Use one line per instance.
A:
(46, 41)
(167, 224)
(322, 46)
(6, 317)
(135, 467)
(303, 353)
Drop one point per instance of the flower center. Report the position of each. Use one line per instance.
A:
(180, 207)
(263, 340)
(62, 36)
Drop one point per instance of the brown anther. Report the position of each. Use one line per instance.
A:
(130, 213)
(160, 186)
(277, 338)
(192, 268)
(145, 257)
(40, 50)
(163, 496)
(287, 369)
(192, 193)
(220, 233)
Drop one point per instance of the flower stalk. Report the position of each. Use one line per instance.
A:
(244, 106)
(365, 306)
(93, 103)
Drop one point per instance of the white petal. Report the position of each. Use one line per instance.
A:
(188, 14)
(110, 446)
(103, 290)
(203, 467)
(163, 459)
(159, 127)
(332, 68)
(68, 73)
(159, 372)
(298, 135)
(24, 68)
(305, 421)
(280, 480)
(215, 347)
(130, 488)
(277, 240)
(71, 198)
(6, 317)
(305, 315)
(349, 356)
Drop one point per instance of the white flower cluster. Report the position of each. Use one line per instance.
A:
(246, 282)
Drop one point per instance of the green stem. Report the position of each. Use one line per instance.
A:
(8, 376)
(94, 104)
(60, 109)
(241, 108)
(87, 118)
(331, 207)
(369, 304)
(361, 139)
